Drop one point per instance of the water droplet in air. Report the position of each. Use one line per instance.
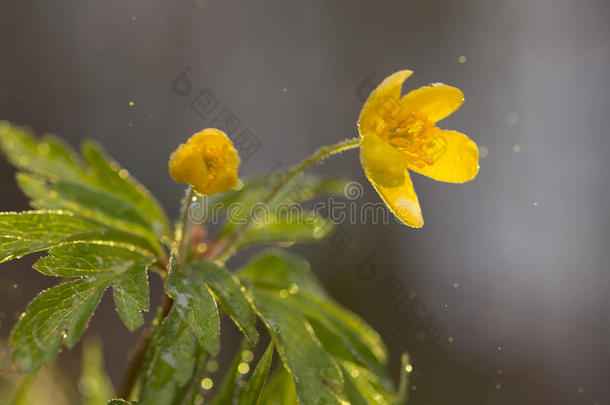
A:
(243, 368)
(207, 383)
(247, 355)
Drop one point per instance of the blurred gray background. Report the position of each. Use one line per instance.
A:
(512, 268)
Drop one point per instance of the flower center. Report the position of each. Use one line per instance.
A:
(413, 134)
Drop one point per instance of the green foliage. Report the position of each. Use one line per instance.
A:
(59, 315)
(102, 229)
(32, 231)
(318, 340)
(170, 362)
(54, 177)
(251, 393)
(283, 218)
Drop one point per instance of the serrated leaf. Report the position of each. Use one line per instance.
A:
(32, 231)
(195, 305)
(54, 177)
(131, 296)
(170, 361)
(289, 226)
(316, 375)
(57, 316)
(251, 393)
(60, 314)
(86, 201)
(122, 238)
(230, 295)
(107, 174)
(343, 333)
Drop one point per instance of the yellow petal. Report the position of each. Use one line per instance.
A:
(382, 159)
(436, 101)
(187, 166)
(385, 167)
(388, 91)
(457, 161)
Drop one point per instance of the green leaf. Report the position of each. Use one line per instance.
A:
(316, 374)
(86, 201)
(54, 178)
(300, 189)
(108, 175)
(48, 157)
(342, 333)
(57, 316)
(363, 387)
(251, 393)
(280, 390)
(33, 231)
(131, 296)
(60, 314)
(228, 388)
(195, 305)
(291, 225)
(278, 269)
(285, 281)
(230, 295)
(119, 402)
(170, 360)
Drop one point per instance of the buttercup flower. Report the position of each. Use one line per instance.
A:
(400, 134)
(208, 162)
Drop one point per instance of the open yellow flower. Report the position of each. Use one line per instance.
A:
(208, 162)
(400, 134)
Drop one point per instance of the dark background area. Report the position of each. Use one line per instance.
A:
(513, 265)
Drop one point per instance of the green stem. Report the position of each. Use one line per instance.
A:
(182, 226)
(319, 155)
(135, 365)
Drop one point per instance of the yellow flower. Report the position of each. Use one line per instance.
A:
(400, 134)
(208, 162)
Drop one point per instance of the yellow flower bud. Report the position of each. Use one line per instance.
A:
(208, 162)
